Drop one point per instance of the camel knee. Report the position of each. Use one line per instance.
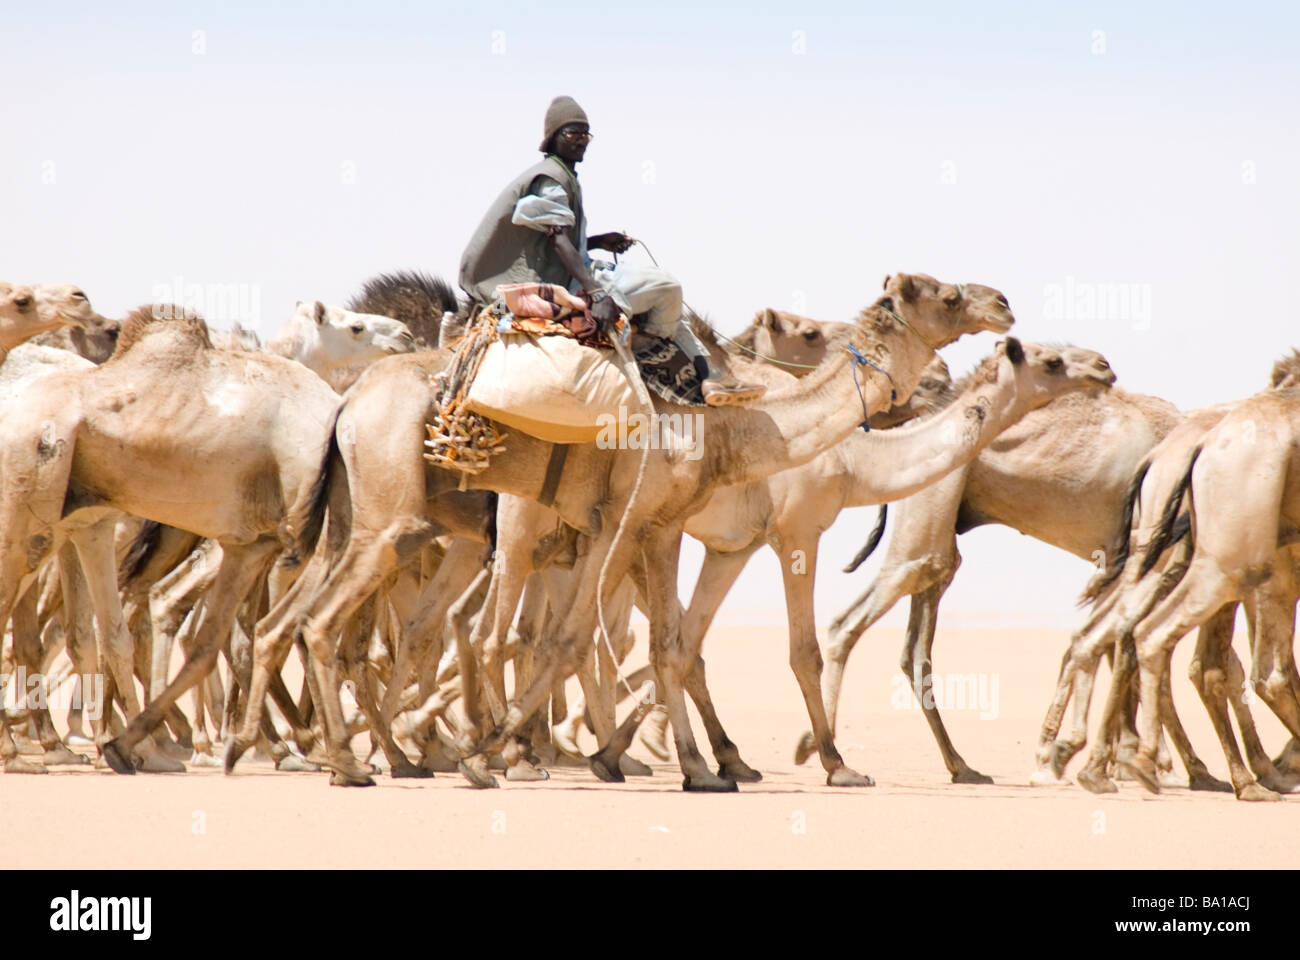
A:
(806, 657)
(1274, 687)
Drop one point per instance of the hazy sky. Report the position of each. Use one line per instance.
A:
(1130, 178)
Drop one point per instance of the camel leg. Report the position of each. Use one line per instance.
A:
(241, 566)
(421, 636)
(1208, 676)
(94, 545)
(918, 665)
(1199, 595)
(672, 660)
(79, 631)
(27, 652)
(806, 659)
(1266, 772)
(717, 576)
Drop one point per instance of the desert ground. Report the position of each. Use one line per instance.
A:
(912, 818)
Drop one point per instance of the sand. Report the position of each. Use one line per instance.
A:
(913, 817)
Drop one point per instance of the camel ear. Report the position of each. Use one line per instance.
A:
(906, 288)
(320, 312)
(769, 319)
(1015, 352)
(885, 285)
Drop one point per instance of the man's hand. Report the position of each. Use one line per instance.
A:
(604, 309)
(613, 242)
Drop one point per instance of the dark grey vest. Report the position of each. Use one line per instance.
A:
(503, 252)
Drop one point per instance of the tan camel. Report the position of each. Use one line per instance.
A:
(1121, 597)
(898, 333)
(790, 510)
(1243, 508)
(1060, 475)
(225, 445)
(798, 344)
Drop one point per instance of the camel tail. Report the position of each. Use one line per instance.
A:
(1169, 526)
(138, 554)
(873, 541)
(310, 519)
(1100, 584)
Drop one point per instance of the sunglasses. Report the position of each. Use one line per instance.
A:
(577, 136)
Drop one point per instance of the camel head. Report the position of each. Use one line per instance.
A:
(915, 316)
(790, 338)
(942, 312)
(28, 311)
(333, 337)
(89, 334)
(1043, 372)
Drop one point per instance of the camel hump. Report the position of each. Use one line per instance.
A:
(150, 318)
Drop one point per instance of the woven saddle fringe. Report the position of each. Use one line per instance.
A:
(460, 439)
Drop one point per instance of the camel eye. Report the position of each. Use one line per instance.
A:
(1055, 364)
(951, 302)
(812, 335)
(357, 328)
(22, 302)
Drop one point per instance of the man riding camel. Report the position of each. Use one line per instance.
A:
(536, 231)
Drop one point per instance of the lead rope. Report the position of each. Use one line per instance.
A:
(859, 360)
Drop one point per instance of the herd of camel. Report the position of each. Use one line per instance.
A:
(161, 482)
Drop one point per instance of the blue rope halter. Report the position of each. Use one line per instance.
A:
(861, 361)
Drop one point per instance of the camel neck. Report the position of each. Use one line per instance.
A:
(795, 424)
(893, 464)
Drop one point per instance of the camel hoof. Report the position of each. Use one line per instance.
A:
(1143, 771)
(708, 783)
(971, 776)
(739, 771)
(844, 777)
(525, 772)
(19, 765)
(409, 771)
(477, 778)
(1255, 793)
(632, 767)
(652, 738)
(292, 763)
(604, 771)
(158, 762)
(1201, 780)
(116, 761)
(805, 748)
(1059, 754)
(234, 750)
(344, 780)
(62, 755)
(1044, 777)
(204, 760)
(1095, 782)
